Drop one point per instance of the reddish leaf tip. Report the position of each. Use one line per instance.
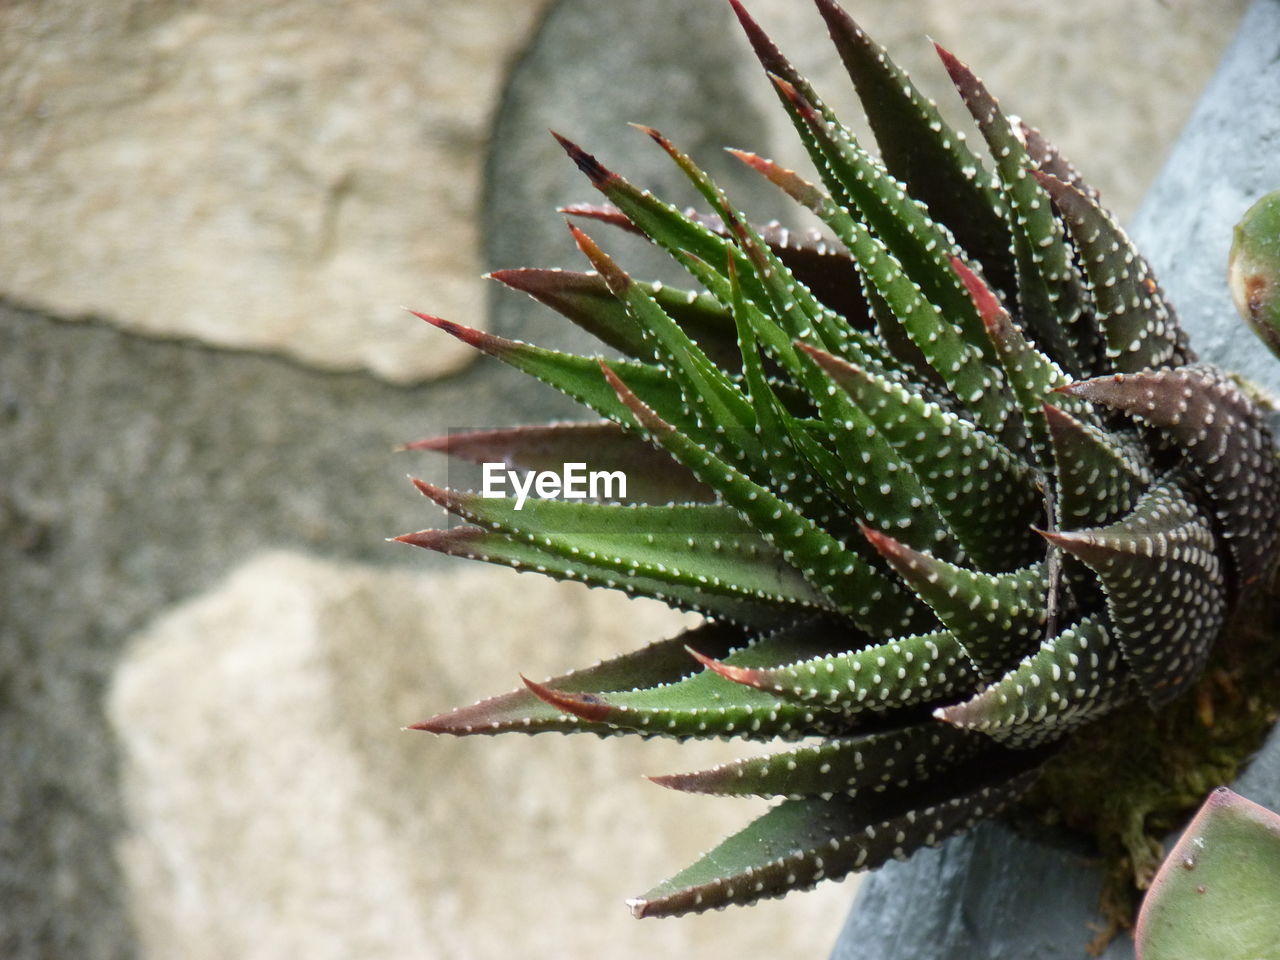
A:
(983, 297)
(583, 705)
(647, 418)
(1054, 186)
(748, 22)
(442, 541)
(437, 724)
(885, 545)
(949, 60)
(752, 160)
(652, 133)
(829, 362)
(434, 444)
(1056, 417)
(741, 675)
(507, 276)
(793, 95)
(440, 495)
(595, 171)
(671, 781)
(468, 335)
(604, 264)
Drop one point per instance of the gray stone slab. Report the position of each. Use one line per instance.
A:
(993, 893)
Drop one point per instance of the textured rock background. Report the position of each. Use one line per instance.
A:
(207, 647)
(265, 176)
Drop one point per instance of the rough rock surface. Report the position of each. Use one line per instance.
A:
(276, 811)
(983, 894)
(139, 473)
(272, 177)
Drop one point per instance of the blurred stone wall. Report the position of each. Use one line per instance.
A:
(210, 212)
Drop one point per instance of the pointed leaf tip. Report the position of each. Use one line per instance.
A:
(797, 99)
(438, 444)
(832, 365)
(595, 171)
(885, 545)
(983, 296)
(442, 541)
(743, 675)
(486, 342)
(653, 134)
(441, 495)
(903, 558)
(587, 706)
(954, 65)
(614, 276)
(643, 413)
(441, 723)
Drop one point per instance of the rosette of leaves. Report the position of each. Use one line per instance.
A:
(947, 485)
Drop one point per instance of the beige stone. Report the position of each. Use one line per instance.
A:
(276, 808)
(275, 176)
(1110, 83)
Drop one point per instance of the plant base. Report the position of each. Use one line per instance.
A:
(1131, 779)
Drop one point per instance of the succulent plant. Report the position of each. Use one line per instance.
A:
(1254, 269)
(946, 483)
(1218, 893)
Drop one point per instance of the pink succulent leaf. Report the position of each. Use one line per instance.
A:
(1218, 892)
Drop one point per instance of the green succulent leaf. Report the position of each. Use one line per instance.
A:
(1225, 438)
(852, 585)
(476, 543)
(521, 711)
(1071, 679)
(894, 759)
(922, 150)
(876, 679)
(586, 300)
(800, 842)
(949, 461)
(1138, 325)
(1163, 582)
(702, 547)
(821, 266)
(1048, 292)
(1101, 475)
(1047, 158)
(652, 476)
(957, 361)
(575, 376)
(993, 617)
(707, 704)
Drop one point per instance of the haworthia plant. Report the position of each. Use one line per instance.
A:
(948, 485)
(1218, 893)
